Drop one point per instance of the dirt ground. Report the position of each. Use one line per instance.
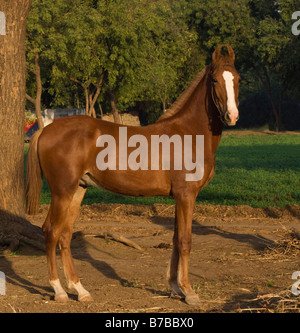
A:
(242, 260)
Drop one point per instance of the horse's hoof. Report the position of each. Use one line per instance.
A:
(192, 300)
(61, 298)
(85, 298)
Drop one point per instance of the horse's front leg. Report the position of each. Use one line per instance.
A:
(173, 266)
(181, 248)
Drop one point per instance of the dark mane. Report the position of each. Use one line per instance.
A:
(183, 98)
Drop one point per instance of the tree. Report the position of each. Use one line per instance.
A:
(273, 40)
(128, 50)
(37, 100)
(40, 55)
(168, 45)
(79, 50)
(123, 51)
(45, 43)
(40, 33)
(13, 225)
(289, 54)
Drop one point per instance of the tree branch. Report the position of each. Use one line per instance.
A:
(30, 99)
(77, 81)
(98, 90)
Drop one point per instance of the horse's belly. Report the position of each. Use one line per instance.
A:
(135, 183)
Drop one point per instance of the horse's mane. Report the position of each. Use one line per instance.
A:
(182, 99)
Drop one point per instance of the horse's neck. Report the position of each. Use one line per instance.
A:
(203, 116)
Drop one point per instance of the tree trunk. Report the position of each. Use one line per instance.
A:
(38, 99)
(163, 98)
(13, 225)
(94, 96)
(267, 84)
(101, 111)
(114, 107)
(90, 96)
(276, 111)
(86, 94)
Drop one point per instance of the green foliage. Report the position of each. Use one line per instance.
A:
(148, 51)
(139, 45)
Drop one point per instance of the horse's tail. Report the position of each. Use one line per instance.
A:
(33, 176)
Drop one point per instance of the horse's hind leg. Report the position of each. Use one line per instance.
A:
(58, 228)
(52, 228)
(60, 294)
(64, 245)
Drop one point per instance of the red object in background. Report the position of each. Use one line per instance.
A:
(28, 125)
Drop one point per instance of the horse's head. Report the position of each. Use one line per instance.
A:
(225, 84)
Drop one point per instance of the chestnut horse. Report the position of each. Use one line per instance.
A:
(66, 153)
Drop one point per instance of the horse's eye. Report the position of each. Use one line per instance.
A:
(214, 80)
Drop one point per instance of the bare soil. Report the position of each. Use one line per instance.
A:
(242, 260)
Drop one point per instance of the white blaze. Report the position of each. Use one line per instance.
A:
(231, 104)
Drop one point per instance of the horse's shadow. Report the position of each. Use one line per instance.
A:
(13, 278)
(80, 251)
(83, 253)
(257, 242)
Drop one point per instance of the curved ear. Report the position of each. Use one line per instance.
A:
(231, 53)
(222, 54)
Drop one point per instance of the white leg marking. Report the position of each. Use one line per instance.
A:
(60, 294)
(83, 294)
(231, 104)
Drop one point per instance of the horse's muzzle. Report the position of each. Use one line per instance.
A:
(231, 118)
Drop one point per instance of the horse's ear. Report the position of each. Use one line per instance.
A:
(223, 54)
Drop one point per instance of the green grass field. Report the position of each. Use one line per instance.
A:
(253, 170)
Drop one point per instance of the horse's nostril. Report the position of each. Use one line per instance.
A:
(226, 117)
